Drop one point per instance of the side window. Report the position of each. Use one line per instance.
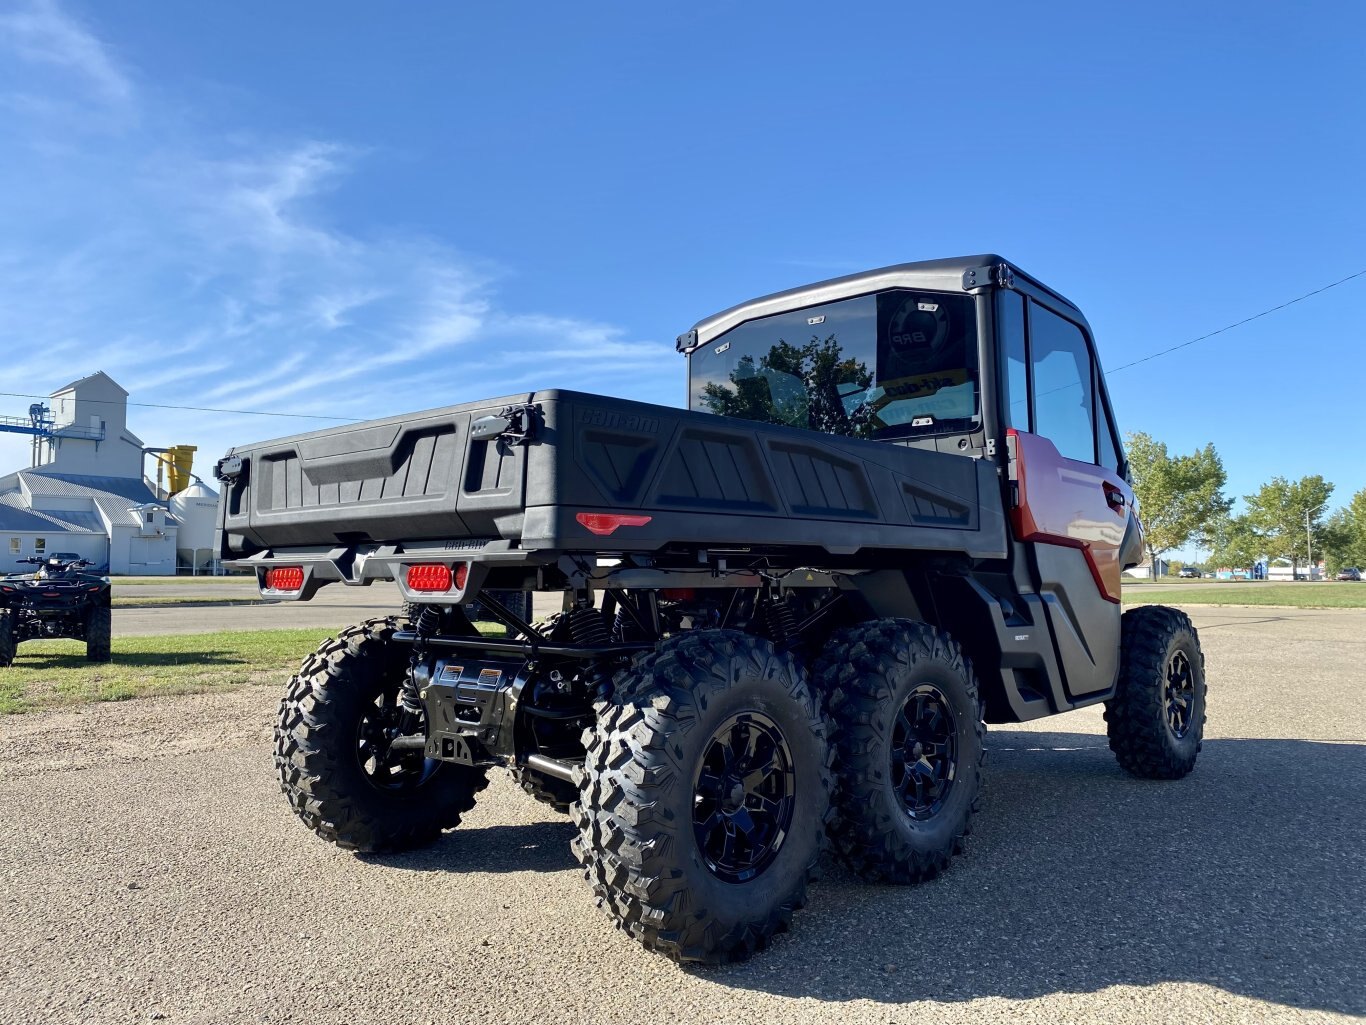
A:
(14, 546)
(39, 545)
(1061, 368)
(1107, 449)
(1010, 330)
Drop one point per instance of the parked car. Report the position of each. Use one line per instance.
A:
(1189, 573)
(1349, 574)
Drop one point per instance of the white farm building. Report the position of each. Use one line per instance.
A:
(85, 492)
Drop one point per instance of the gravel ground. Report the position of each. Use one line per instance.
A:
(153, 872)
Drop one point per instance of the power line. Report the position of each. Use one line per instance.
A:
(196, 409)
(354, 419)
(1245, 320)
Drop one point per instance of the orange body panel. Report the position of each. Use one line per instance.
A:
(1072, 503)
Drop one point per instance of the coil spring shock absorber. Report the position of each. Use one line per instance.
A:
(587, 625)
(780, 623)
(424, 625)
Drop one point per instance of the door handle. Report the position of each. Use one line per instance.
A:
(1113, 496)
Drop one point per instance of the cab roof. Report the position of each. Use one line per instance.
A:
(954, 274)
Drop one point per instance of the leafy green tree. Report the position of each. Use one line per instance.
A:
(1344, 535)
(801, 386)
(1284, 513)
(1234, 543)
(1179, 497)
(1356, 515)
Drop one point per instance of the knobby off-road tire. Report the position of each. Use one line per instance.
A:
(99, 631)
(559, 794)
(909, 744)
(8, 644)
(1156, 720)
(322, 751)
(666, 859)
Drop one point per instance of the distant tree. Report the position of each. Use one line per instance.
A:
(1179, 497)
(798, 386)
(1344, 535)
(1234, 543)
(1283, 513)
(1356, 518)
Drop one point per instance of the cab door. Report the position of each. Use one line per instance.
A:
(1072, 511)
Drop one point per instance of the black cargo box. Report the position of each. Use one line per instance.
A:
(703, 480)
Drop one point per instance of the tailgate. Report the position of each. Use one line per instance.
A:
(383, 480)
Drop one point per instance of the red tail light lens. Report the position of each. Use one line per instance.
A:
(462, 573)
(429, 576)
(285, 578)
(603, 524)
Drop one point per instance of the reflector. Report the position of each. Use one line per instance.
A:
(603, 524)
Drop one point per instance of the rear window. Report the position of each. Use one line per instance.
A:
(895, 364)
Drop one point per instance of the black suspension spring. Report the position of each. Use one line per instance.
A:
(588, 627)
(780, 622)
(425, 623)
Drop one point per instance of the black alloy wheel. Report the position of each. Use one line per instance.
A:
(1178, 694)
(1156, 719)
(381, 721)
(909, 743)
(924, 752)
(333, 749)
(743, 797)
(705, 795)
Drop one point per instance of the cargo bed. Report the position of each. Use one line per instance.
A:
(703, 481)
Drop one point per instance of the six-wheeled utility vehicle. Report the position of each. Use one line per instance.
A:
(58, 599)
(896, 507)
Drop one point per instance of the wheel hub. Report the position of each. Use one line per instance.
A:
(1178, 694)
(743, 797)
(924, 752)
(380, 723)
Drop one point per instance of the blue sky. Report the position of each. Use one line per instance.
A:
(356, 210)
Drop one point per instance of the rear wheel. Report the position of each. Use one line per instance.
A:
(99, 634)
(704, 796)
(332, 738)
(1156, 720)
(9, 642)
(909, 744)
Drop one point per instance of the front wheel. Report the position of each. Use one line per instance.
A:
(1156, 720)
(332, 749)
(704, 795)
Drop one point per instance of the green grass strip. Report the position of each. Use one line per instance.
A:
(53, 674)
(1304, 595)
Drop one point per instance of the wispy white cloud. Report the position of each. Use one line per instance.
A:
(40, 33)
(200, 266)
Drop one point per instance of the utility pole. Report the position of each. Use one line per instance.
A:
(1308, 544)
(1309, 538)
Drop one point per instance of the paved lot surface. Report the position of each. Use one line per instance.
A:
(152, 872)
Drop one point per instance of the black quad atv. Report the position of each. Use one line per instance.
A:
(896, 509)
(57, 600)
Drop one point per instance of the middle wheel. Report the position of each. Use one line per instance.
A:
(909, 743)
(704, 796)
